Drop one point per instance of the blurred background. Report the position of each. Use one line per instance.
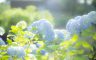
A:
(58, 12)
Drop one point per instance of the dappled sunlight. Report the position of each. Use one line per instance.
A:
(47, 30)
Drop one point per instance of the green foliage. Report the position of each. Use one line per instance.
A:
(29, 14)
(4, 7)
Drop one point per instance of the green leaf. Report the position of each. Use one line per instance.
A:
(87, 45)
(74, 38)
(15, 29)
(78, 44)
(2, 53)
(5, 57)
(21, 24)
(94, 36)
(80, 58)
(9, 41)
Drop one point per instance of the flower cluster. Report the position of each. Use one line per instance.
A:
(45, 29)
(59, 35)
(40, 41)
(16, 51)
(80, 23)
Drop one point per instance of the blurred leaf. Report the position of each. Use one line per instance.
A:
(3, 53)
(5, 57)
(14, 29)
(74, 38)
(21, 24)
(80, 58)
(9, 41)
(65, 44)
(94, 36)
(87, 45)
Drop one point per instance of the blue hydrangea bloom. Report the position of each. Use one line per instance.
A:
(73, 26)
(16, 51)
(38, 45)
(43, 52)
(59, 35)
(92, 16)
(85, 22)
(78, 24)
(34, 27)
(44, 28)
(33, 48)
(11, 51)
(49, 36)
(2, 42)
(20, 52)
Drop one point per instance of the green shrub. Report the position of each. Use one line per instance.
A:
(29, 14)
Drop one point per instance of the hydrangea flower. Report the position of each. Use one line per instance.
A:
(92, 15)
(43, 52)
(20, 52)
(2, 42)
(44, 28)
(34, 27)
(11, 51)
(16, 51)
(78, 24)
(59, 35)
(85, 22)
(38, 45)
(34, 48)
(73, 26)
